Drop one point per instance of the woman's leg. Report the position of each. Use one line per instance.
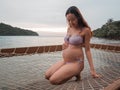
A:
(53, 69)
(66, 72)
(78, 76)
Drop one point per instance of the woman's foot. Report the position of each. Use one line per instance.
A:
(78, 77)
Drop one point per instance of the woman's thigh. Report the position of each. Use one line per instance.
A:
(66, 72)
(54, 68)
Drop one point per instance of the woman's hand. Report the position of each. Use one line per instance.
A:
(95, 75)
(64, 46)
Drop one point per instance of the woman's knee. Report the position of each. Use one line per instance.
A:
(47, 75)
(55, 81)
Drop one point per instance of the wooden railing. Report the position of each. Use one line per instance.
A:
(106, 47)
(52, 48)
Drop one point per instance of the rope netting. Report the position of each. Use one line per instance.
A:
(26, 71)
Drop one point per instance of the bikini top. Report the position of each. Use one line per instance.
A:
(74, 40)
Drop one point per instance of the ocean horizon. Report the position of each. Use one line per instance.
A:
(44, 39)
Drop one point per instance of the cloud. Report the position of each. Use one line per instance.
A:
(52, 12)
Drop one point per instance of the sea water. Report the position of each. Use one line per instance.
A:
(28, 41)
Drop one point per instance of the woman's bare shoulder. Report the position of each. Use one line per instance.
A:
(87, 32)
(86, 29)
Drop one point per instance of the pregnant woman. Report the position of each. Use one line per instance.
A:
(78, 36)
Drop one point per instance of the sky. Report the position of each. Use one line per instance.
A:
(51, 13)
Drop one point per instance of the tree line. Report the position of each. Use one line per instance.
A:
(110, 30)
(8, 30)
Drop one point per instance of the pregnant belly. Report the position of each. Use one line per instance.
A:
(72, 54)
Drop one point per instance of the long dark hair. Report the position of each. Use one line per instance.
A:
(81, 21)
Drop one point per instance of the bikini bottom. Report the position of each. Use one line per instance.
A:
(77, 60)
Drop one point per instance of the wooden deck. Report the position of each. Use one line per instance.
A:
(27, 72)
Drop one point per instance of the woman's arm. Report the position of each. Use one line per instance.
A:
(87, 33)
(65, 45)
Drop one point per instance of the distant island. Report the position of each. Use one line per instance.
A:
(8, 30)
(110, 30)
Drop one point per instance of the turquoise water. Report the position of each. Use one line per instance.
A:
(26, 41)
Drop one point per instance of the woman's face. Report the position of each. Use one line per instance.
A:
(72, 20)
